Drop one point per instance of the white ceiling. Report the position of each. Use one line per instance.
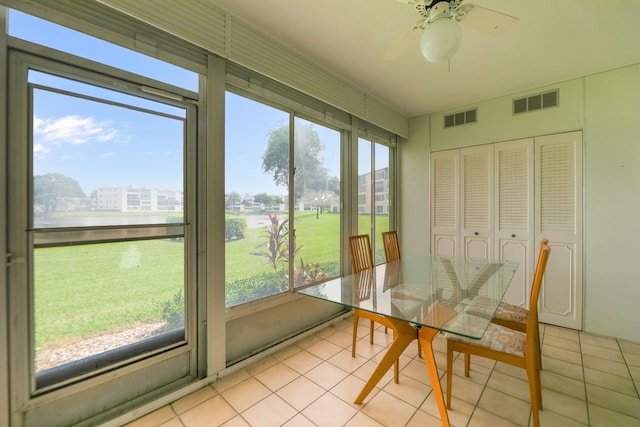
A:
(554, 40)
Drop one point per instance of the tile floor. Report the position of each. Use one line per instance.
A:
(587, 380)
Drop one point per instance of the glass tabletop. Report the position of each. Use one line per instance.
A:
(453, 294)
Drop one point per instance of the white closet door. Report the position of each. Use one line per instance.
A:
(476, 167)
(559, 218)
(514, 214)
(444, 202)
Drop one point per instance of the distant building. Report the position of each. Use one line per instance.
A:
(137, 199)
(380, 189)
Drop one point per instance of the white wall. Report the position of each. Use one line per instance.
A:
(413, 195)
(612, 203)
(606, 107)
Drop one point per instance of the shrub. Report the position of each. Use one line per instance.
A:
(173, 311)
(234, 227)
(255, 287)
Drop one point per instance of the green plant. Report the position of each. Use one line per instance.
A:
(234, 228)
(275, 249)
(173, 311)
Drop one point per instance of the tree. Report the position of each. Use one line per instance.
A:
(265, 199)
(310, 171)
(232, 199)
(50, 188)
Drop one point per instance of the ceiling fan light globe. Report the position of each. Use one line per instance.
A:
(440, 40)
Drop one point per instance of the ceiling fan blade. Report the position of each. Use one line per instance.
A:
(410, 37)
(485, 20)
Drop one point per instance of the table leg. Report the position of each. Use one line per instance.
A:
(425, 337)
(403, 333)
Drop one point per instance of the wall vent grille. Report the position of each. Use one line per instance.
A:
(461, 118)
(539, 101)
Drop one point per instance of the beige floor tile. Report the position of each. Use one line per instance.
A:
(277, 376)
(309, 341)
(213, 412)
(349, 388)
(603, 417)
(155, 418)
(299, 421)
(409, 390)
(245, 394)
(346, 362)
(388, 410)
(286, 352)
(236, 421)
(326, 375)
(193, 399)
(330, 411)
(505, 406)
(632, 359)
(362, 420)
(416, 369)
(261, 365)
(562, 354)
(610, 381)
(300, 393)
(570, 407)
(605, 365)
(482, 418)
(324, 349)
(459, 414)
(561, 384)
(635, 372)
(364, 349)
(613, 400)
(272, 411)
(599, 341)
(478, 373)
(326, 332)
(568, 334)
(549, 418)
(302, 361)
(229, 381)
(511, 370)
(563, 368)
(629, 346)
(465, 389)
(512, 386)
(366, 370)
(603, 353)
(174, 422)
(341, 339)
(560, 342)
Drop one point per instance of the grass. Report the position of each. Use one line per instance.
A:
(90, 289)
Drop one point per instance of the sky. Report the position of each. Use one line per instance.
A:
(130, 141)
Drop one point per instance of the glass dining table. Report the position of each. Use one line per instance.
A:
(418, 297)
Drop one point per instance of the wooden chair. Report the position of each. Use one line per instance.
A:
(392, 253)
(507, 345)
(509, 315)
(391, 247)
(362, 259)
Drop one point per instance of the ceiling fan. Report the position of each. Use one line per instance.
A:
(438, 33)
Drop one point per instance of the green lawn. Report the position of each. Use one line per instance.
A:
(89, 289)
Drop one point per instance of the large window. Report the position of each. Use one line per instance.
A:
(105, 201)
(267, 251)
(373, 193)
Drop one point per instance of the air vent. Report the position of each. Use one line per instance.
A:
(461, 118)
(539, 101)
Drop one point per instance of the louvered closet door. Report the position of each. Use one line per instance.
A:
(444, 202)
(559, 217)
(514, 213)
(476, 166)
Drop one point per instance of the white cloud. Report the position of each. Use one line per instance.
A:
(72, 129)
(107, 154)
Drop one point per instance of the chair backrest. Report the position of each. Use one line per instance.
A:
(360, 248)
(532, 320)
(391, 247)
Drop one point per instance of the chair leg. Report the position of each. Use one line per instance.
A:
(467, 364)
(535, 389)
(371, 332)
(356, 318)
(449, 373)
